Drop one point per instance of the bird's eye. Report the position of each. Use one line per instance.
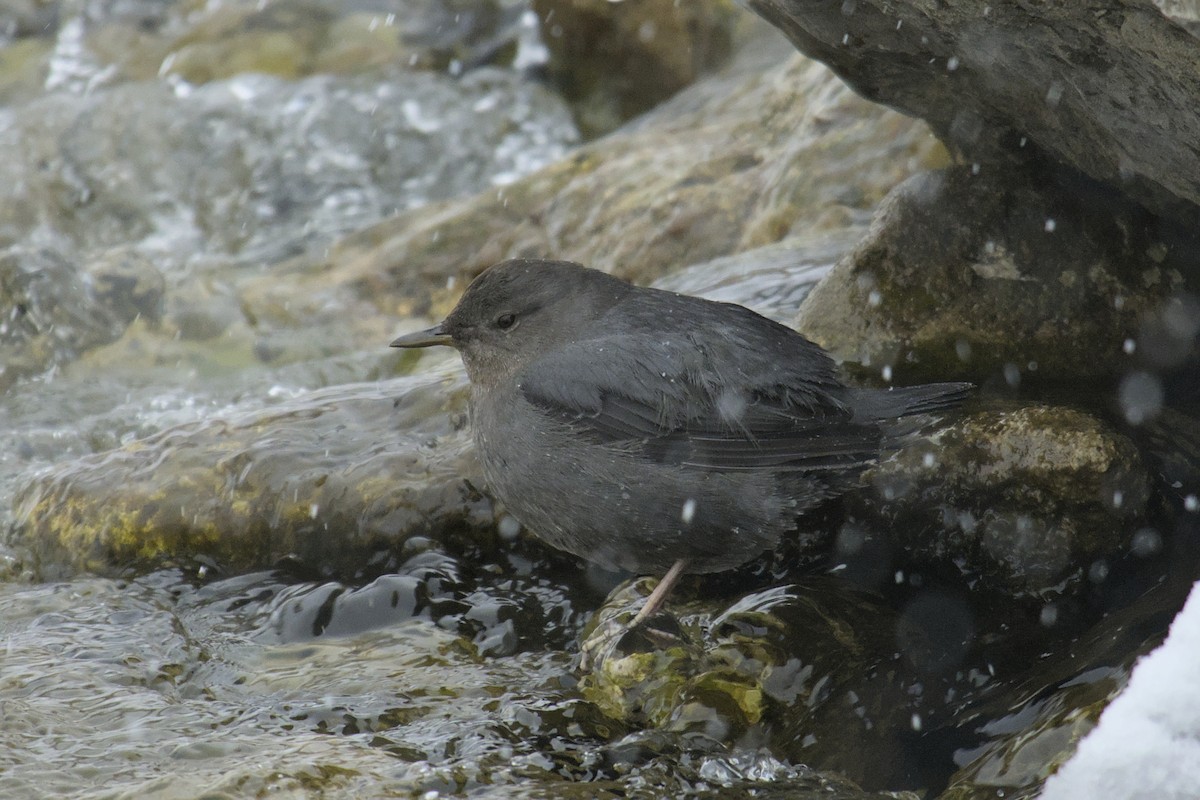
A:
(505, 321)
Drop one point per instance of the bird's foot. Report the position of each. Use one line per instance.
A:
(616, 638)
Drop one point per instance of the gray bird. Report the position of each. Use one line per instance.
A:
(655, 432)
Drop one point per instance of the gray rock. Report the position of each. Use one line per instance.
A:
(1108, 88)
(997, 275)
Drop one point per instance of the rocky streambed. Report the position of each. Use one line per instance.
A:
(247, 549)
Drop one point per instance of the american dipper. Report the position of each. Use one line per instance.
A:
(656, 432)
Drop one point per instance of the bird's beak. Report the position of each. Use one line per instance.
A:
(430, 337)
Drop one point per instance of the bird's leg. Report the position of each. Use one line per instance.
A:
(658, 597)
(606, 637)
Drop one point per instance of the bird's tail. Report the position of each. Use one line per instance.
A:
(905, 401)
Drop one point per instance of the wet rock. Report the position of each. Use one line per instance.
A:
(262, 167)
(770, 147)
(1023, 500)
(1007, 277)
(276, 39)
(1185, 13)
(22, 18)
(773, 279)
(54, 311)
(24, 65)
(811, 670)
(1108, 89)
(660, 47)
(128, 285)
(237, 174)
(328, 478)
(425, 580)
(123, 41)
(295, 38)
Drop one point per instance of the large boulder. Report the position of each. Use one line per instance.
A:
(1108, 88)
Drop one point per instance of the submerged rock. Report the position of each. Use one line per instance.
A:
(890, 690)
(328, 478)
(54, 310)
(809, 670)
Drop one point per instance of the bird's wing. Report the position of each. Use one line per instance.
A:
(731, 402)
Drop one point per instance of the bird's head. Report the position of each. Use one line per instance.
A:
(518, 309)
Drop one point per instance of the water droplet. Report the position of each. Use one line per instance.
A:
(731, 404)
(508, 527)
(1140, 397)
(1050, 225)
(1146, 542)
(1049, 615)
(1129, 347)
(1098, 572)
(952, 63)
(1181, 316)
(916, 722)
(1012, 375)
(689, 511)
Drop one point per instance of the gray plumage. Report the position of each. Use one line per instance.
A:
(636, 428)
